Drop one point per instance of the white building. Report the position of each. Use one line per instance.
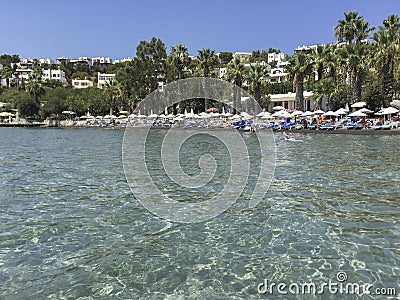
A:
(103, 79)
(84, 60)
(125, 59)
(101, 61)
(288, 101)
(47, 61)
(278, 75)
(222, 72)
(81, 83)
(242, 55)
(23, 73)
(276, 57)
(49, 74)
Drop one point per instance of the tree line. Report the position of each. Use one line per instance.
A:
(363, 64)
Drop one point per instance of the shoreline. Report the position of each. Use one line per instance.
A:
(279, 131)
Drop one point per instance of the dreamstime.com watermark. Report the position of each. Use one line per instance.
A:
(339, 286)
(140, 174)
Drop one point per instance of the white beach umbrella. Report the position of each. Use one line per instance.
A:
(389, 111)
(297, 113)
(365, 110)
(342, 111)
(395, 103)
(278, 108)
(235, 117)
(357, 114)
(359, 104)
(6, 114)
(307, 114)
(331, 114)
(319, 112)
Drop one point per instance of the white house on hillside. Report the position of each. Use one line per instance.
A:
(288, 101)
(102, 79)
(276, 57)
(81, 83)
(49, 74)
(242, 55)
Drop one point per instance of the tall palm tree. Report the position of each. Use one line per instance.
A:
(235, 73)
(256, 75)
(387, 45)
(34, 87)
(353, 30)
(6, 73)
(179, 59)
(300, 65)
(352, 57)
(112, 91)
(206, 60)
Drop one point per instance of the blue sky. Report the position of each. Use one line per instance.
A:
(54, 28)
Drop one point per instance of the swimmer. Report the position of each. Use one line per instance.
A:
(287, 136)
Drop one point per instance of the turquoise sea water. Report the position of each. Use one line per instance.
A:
(71, 229)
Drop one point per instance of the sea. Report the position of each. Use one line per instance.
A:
(73, 225)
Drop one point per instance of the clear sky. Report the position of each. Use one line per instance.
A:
(113, 28)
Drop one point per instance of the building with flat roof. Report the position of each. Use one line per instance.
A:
(288, 101)
(81, 83)
(244, 56)
(103, 79)
(49, 74)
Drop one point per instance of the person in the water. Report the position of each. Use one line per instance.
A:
(287, 136)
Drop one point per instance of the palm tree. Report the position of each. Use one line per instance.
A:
(256, 75)
(352, 29)
(34, 87)
(387, 45)
(206, 60)
(352, 58)
(6, 74)
(113, 91)
(179, 58)
(235, 73)
(300, 65)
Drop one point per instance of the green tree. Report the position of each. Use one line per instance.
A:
(35, 89)
(112, 90)
(6, 73)
(300, 65)
(206, 61)
(256, 76)
(236, 73)
(225, 58)
(387, 47)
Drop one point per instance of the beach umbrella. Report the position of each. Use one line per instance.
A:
(365, 110)
(297, 113)
(234, 117)
(395, 103)
(342, 111)
(319, 112)
(123, 112)
(358, 104)
(278, 108)
(389, 111)
(307, 114)
(357, 114)
(331, 114)
(6, 114)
